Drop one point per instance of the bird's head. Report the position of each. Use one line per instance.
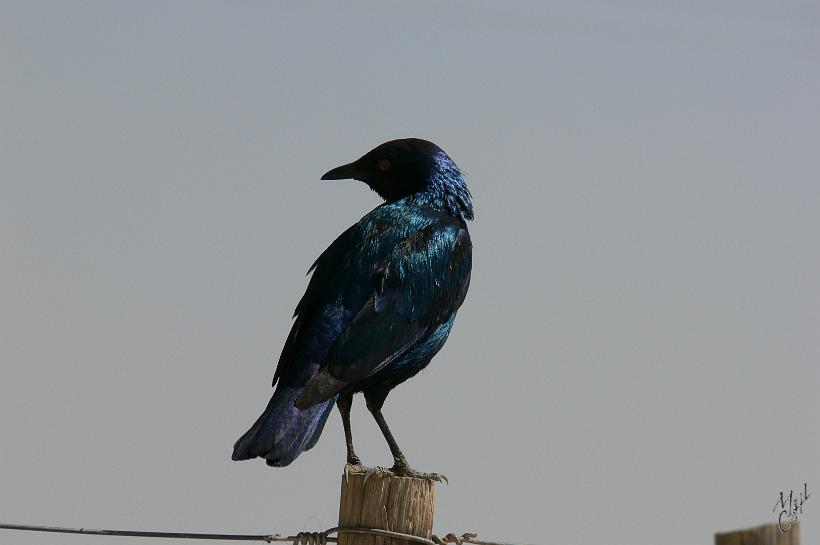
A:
(406, 167)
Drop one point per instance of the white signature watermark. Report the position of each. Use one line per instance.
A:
(789, 508)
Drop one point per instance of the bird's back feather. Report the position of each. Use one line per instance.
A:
(412, 270)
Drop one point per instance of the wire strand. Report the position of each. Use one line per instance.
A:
(140, 533)
(302, 538)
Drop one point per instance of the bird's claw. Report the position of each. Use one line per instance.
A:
(351, 467)
(439, 477)
(395, 471)
(407, 471)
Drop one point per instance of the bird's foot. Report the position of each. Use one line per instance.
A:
(395, 471)
(352, 466)
(404, 470)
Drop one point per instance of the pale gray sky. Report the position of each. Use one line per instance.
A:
(637, 360)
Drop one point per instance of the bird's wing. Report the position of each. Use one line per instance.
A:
(422, 282)
(326, 308)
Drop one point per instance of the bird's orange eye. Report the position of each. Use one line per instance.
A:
(384, 165)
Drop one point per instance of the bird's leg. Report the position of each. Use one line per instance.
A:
(400, 462)
(400, 466)
(344, 403)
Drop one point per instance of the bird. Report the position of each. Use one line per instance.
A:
(379, 305)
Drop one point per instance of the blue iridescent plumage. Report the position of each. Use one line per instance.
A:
(379, 305)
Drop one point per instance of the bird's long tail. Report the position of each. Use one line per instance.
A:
(283, 432)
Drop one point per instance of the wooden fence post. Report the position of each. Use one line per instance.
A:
(767, 534)
(385, 502)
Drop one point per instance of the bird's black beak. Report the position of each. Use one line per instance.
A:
(343, 172)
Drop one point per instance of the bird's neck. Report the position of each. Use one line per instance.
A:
(446, 191)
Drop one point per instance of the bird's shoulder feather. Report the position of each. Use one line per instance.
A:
(420, 284)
